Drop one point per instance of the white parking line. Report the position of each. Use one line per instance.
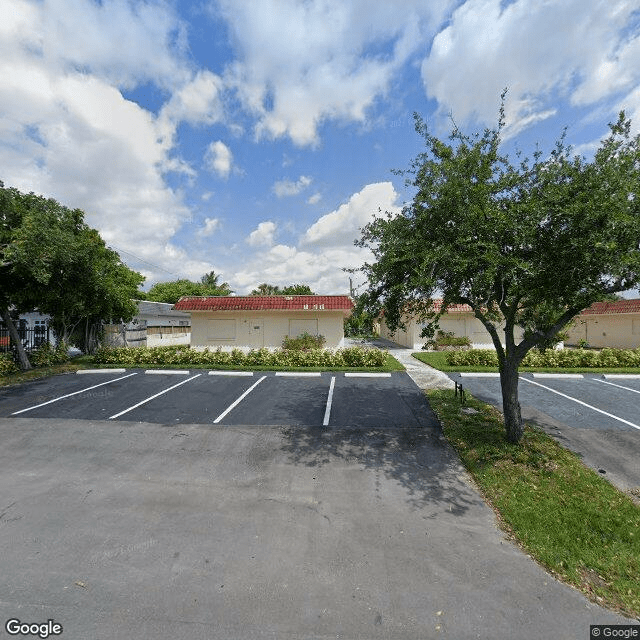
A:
(299, 374)
(559, 376)
(584, 404)
(68, 395)
(621, 376)
(169, 372)
(79, 371)
(619, 386)
(327, 411)
(135, 406)
(238, 401)
(486, 374)
(231, 373)
(357, 374)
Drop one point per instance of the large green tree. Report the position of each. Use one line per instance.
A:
(528, 244)
(51, 260)
(171, 292)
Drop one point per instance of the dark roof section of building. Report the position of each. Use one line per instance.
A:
(616, 306)
(264, 303)
(158, 309)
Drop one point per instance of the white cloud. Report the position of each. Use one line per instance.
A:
(120, 42)
(198, 101)
(323, 251)
(284, 188)
(219, 158)
(314, 199)
(301, 63)
(262, 235)
(210, 226)
(576, 49)
(67, 131)
(341, 227)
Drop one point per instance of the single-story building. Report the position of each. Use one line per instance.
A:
(164, 325)
(458, 320)
(613, 324)
(264, 321)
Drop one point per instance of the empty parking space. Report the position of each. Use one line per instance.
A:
(225, 398)
(585, 401)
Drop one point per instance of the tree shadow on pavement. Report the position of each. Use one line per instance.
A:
(417, 458)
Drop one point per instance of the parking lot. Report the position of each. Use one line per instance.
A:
(350, 523)
(596, 415)
(224, 398)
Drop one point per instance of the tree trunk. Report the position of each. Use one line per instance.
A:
(510, 402)
(15, 339)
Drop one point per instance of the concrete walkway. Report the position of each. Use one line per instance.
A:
(422, 374)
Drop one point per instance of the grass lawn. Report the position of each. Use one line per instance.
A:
(43, 372)
(437, 360)
(573, 522)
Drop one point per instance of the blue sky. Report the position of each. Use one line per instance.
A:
(256, 138)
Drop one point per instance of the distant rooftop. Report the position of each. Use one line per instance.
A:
(616, 306)
(264, 303)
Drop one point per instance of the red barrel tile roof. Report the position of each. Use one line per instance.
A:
(264, 303)
(617, 306)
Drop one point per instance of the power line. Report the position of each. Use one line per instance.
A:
(155, 266)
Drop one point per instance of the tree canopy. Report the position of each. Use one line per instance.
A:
(528, 244)
(52, 261)
(172, 291)
(274, 290)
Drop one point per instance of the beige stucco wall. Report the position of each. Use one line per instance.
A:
(461, 324)
(619, 331)
(244, 329)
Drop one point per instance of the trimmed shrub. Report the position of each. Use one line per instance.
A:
(7, 365)
(447, 341)
(473, 358)
(561, 358)
(139, 356)
(46, 355)
(303, 342)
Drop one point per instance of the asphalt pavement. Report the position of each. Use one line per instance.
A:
(596, 416)
(124, 528)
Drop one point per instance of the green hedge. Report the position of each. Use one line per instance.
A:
(561, 358)
(183, 355)
(7, 365)
(47, 355)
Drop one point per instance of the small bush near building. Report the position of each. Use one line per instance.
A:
(303, 342)
(46, 355)
(562, 358)
(7, 365)
(447, 341)
(183, 355)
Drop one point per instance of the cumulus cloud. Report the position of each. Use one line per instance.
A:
(198, 101)
(577, 49)
(324, 250)
(210, 226)
(219, 159)
(284, 188)
(262, 235)
(341, 227)
(301, 63)
(68, 132)
(120, 42)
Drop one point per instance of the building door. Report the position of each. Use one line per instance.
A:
(256, 332)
